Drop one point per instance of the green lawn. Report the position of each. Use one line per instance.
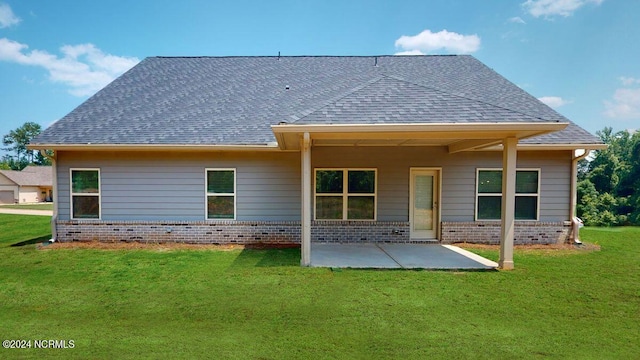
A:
(40, 206)
(259, 304)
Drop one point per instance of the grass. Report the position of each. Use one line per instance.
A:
(39, 206)
(259, 304)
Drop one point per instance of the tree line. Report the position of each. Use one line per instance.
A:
(16, 142)
(609, 182)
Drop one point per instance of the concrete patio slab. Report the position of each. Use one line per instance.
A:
(397, 256)
(351, 255)
(434, 256)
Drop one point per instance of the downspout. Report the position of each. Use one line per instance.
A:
(54, 218)
(575, 221)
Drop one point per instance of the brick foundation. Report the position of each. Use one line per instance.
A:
(288, 232)
(198, 232)
(230, 232)
(488, 232)
(360, 231)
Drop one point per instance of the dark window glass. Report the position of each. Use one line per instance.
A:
(220, 182)
(526, 207)
(86, 207)
(220, 207)
(85, 181)
(490, 181)
(329, 181)
(362, 181)
(329, 207)
(361, 208)
(527, 182)
(489, 207)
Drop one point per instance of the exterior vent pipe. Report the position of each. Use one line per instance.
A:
(576, 222)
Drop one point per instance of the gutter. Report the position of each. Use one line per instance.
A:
(54, 180)
(576, 222)
(153, 147)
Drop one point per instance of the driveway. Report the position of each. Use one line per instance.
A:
(26, 212)
(397, 256)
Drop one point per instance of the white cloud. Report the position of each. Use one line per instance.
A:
(553, 101)
(550, 8)
(427, 42)
(84, 68)
(628, 81)
(517, 20)
(410, 52)
(7, 17)
(625, 105)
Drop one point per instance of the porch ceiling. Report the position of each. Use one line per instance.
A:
(457, 137)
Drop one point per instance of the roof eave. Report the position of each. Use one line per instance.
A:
(153, 147)
(461, 136)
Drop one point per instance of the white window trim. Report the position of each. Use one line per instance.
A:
(345, 193)
(538, 194)
(72, 194)
(207, 194)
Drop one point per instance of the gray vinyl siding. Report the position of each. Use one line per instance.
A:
(171, 186)
(458, 177)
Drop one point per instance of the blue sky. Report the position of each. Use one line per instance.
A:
(581, 57)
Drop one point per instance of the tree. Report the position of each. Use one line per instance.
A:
(42, 160)
(17, 140)
(609, 187)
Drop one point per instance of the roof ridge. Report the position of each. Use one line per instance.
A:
(463, 97)
(334, 99)
(297, 56)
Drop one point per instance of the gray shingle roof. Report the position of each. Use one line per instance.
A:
(31, 176)
(235, 100)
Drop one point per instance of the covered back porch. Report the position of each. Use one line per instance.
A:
(453, 138)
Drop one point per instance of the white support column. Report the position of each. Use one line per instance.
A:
(305, 236)
(509, 158)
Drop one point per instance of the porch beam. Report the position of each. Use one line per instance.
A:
(507, 230)
(471, 145)
(305, 235)
(452, 136)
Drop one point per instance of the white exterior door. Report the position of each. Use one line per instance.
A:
(424, 208)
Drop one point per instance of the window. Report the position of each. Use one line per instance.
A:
(221, 193)
(489, 194)
(345, 194)
(85, 193)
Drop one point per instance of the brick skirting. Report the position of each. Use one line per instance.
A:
(488, 232)
(360, 231)
(197, 232)
(288, 232)
(230, 232)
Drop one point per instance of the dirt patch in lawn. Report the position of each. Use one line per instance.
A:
(159, 246)
(537, 248)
